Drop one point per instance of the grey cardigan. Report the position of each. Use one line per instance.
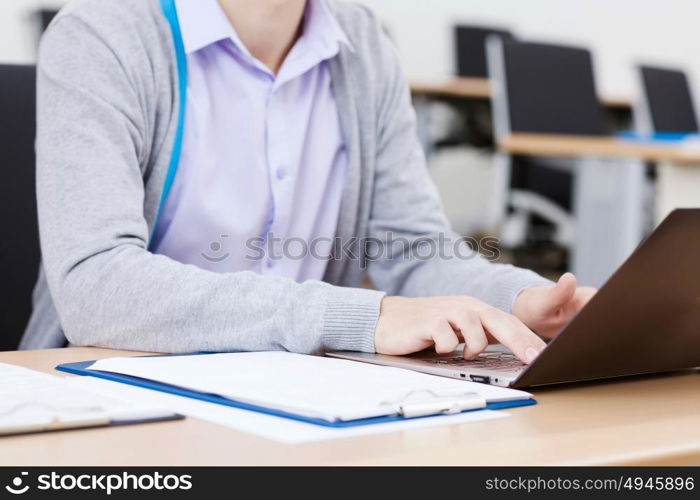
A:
(108, 109)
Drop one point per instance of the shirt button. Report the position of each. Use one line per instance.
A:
(281, 173)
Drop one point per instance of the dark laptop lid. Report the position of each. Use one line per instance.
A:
(645, 319)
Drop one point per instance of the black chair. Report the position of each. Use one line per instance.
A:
(475, 126)
(669, 102)
(45, 17)
(470, 48)
(550, 89)
(19, 245)
(543, 89)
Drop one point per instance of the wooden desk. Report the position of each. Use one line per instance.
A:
(610, 192)
(634, 421)
(461, 87)
(608, 147)
(480, 88)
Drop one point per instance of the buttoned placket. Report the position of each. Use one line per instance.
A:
(280, 173)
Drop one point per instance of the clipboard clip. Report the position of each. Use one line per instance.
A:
(425, 402)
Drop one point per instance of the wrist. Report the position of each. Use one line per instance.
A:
(381, 331)
(350, 319)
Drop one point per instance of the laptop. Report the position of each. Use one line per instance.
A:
(644, 319)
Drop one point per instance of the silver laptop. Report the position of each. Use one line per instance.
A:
(495, 366)
(645, 319)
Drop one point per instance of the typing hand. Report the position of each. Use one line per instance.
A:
(409, 325)
(548, 309)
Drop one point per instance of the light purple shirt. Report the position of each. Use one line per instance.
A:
(263, 159)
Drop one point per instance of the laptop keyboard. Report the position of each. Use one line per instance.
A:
(496, 361)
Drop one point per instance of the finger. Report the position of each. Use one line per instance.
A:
(472, 331)
(561, 293)
(444, 336)
(513, 334)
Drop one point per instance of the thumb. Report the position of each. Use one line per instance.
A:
(561, 293)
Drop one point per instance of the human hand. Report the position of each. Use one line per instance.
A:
(548, 309)
(408, 325)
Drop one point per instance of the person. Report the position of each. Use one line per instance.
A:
(182, 143)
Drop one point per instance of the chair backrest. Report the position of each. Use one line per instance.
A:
(543, 88)
(45, 17)
(19, 245)
(470, 48)
(668, 100)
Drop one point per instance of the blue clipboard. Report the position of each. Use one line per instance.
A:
(81, 368)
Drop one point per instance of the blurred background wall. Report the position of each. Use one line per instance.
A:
(619, 32)
(18, 25)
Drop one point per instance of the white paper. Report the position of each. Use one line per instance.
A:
(32, 399)
(312, 386)
(266, 426)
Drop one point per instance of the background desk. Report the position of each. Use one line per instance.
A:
(611, 192)
(640, 421)
(471, 127)
(480, 88)
(609, 147)
(471, 98)
(678, 166)
(461, 87)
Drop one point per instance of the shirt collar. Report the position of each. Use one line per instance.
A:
(203, 23)
(320, 24)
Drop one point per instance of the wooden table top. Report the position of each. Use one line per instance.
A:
(480, 88)
(602, 146)
(648, 420)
